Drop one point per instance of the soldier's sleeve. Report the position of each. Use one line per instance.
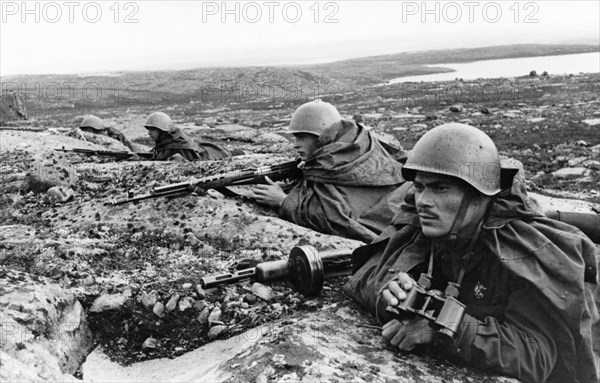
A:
(323, 208)
(521, 345)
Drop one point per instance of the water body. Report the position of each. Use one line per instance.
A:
(564, 64)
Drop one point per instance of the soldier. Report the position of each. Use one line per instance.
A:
(348, 177)
(93, 124)
(525, 280)
(173, 144)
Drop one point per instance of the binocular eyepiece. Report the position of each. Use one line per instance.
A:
(443, 310)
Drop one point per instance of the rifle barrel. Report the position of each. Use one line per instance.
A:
(235, 178)
(95, 152)
(223, 180)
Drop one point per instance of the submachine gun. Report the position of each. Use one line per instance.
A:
(305, 268)
(220, 182)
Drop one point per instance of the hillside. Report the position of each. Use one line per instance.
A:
(377, 69)
(49, 97)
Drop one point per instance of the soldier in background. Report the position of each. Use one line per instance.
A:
(171, 143)
(348, 177)
(95, 125)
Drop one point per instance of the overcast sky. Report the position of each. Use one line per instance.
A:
(101, 36)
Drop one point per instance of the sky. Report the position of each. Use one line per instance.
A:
(103, 36)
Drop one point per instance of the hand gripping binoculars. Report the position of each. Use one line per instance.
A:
(443, 310)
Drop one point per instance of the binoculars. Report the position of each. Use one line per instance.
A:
(443, 311)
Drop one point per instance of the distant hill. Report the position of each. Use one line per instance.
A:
(377, 69)
(210, 87)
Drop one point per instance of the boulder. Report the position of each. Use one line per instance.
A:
(456, 108)
(109, 302)
(569, 172)
(536, 119)
(45, 335)
(592, 121)
(60, 194)
(592, 164)
(44, 175)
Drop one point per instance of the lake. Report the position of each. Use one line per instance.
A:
(564, 64)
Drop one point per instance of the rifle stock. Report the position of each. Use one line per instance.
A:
(286, 170)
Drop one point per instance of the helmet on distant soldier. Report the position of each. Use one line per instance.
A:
(457, 150)
(314, 117)
(160, 121)
(92, 122)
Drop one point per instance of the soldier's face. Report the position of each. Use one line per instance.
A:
(154, 133)
(305, 144)
(438, 199)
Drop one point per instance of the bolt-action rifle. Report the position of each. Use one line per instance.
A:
(306, 269)
(280, 172)
(110, 153)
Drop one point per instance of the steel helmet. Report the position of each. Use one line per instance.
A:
(457, 150)
(92, 122)
(314, 117)
(160, 121)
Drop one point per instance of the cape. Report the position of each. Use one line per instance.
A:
(558, 259)
(177, 142)
(119, 136)
(350, 186)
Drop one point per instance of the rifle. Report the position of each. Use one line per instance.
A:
(24, 128)
(220, 182)
(306, 269)
(111, 153)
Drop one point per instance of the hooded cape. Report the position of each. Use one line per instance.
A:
(177, 142)
(347, 185)
(119, 136)
(556, 258)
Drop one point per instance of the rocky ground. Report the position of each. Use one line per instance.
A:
(135, 268)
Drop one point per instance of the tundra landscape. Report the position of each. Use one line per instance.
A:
(119, 285)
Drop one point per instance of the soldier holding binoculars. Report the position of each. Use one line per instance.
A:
(500, 286)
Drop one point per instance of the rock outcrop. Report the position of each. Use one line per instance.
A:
(45, 336)
(12, 107)
(326, 345)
